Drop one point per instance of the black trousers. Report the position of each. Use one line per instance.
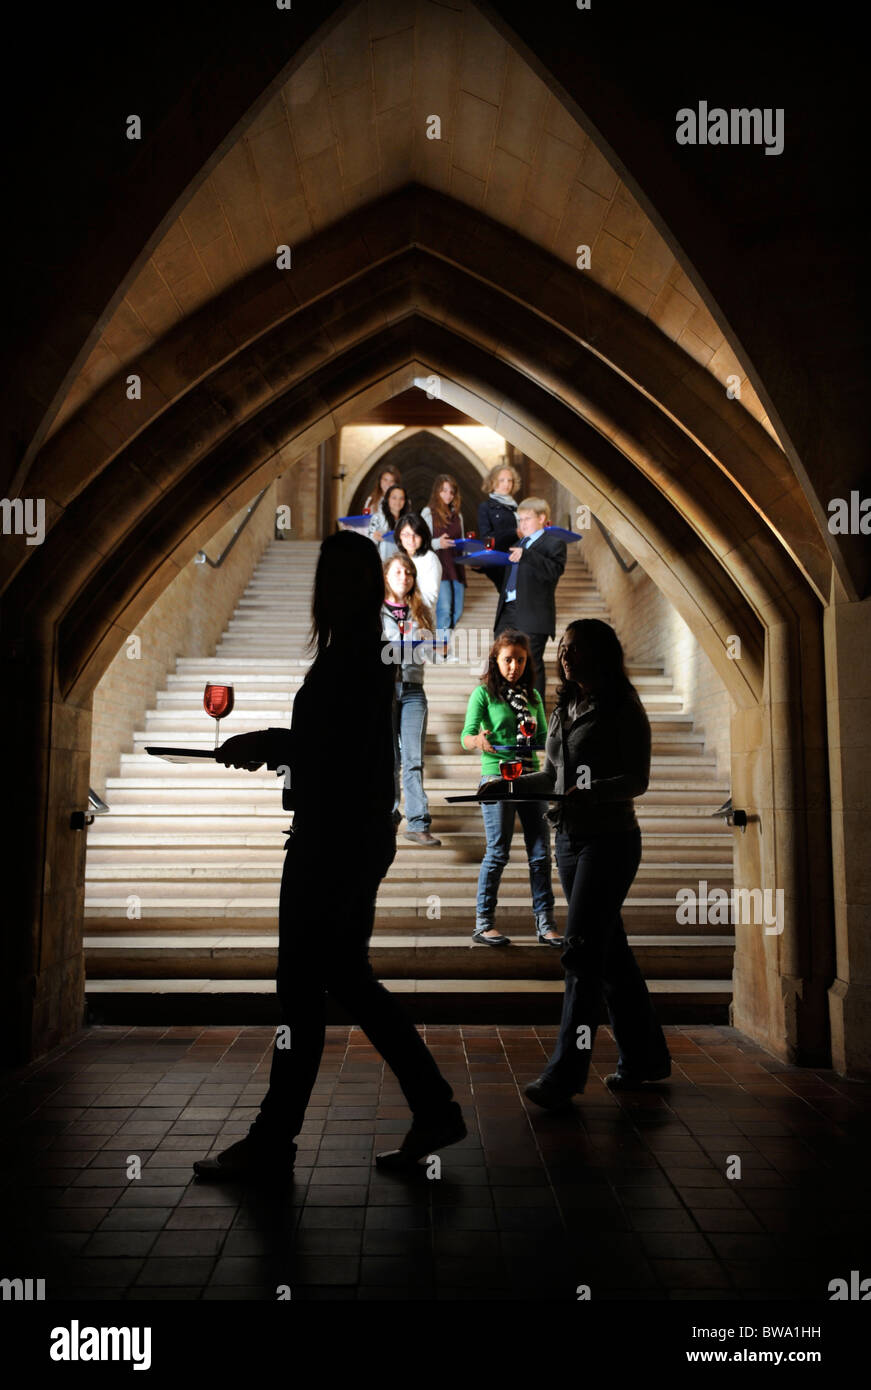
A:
(326, 915)
(537, 643)
(596, 873)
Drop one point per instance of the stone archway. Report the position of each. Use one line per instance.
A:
(776, 976)
(420, 454)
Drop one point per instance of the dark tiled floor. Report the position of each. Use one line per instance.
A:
(628, 1194)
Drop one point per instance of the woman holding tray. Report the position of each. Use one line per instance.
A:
(393, 506)
(405, 619)
(506, 700)
(414, 539)
(331, 874)
(386, 478)
(598, 757)
(445, 521)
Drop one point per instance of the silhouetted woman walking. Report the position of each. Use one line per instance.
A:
(336, 757)
(598, 752)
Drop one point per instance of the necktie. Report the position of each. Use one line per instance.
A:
(511, 586)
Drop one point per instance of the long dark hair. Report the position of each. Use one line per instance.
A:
(347, 597)
(604, 664)
(419, 611)
(493, 677)
(384, 506)
(376, 495)
(440, 516)
(419, 527)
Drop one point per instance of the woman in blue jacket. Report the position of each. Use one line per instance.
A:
(505, 700)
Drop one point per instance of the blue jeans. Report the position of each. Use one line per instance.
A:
(409, 737)
(499, 828)
(449, 604)
(597, 873)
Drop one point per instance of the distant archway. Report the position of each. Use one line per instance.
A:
(421, 452)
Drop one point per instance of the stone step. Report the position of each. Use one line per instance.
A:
(678, 793)
(421, 956)
(248, 868)
(142, 770)
(211, 904)
(207, 1000)
(464, 845)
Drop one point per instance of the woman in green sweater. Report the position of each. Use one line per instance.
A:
(506, 698)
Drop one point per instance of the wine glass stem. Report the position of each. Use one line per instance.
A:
(217, 727)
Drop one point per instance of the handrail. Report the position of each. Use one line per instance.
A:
(201, 558)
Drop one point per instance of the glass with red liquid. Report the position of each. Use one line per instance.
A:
(510, 770)
(218, 701)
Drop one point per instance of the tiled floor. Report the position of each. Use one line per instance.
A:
(629, 1195)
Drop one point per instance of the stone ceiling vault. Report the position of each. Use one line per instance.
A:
(350, 125)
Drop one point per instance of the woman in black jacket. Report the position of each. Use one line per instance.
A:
(497, 515)
(337, 756)
(598, 754)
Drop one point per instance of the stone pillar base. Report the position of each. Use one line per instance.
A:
(850, 1015)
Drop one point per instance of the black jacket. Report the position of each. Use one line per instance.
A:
(339, 747)
(499, 521)
(537, 574)
(613, 740)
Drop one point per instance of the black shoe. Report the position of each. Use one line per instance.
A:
(547, 941)
(424, 1137)
(490, 940)
(625, 1081)
(249, 1159)
(547, 1095)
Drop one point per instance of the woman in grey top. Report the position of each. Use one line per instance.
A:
(598, 755)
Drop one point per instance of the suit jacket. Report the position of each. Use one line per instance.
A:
(537, 574)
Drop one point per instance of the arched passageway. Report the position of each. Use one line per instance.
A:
(404, 287)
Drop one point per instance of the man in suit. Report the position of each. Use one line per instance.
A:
(526, 601)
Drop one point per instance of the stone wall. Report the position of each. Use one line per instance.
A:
(187, 620)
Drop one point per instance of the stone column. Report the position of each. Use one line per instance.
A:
(848, 687)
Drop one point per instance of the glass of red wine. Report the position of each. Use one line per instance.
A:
(528, 726)
(490, 543)
(510, 770)
(218, 701)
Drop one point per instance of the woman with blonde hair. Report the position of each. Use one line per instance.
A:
(497, 514)
(445, 521)
(405, 620)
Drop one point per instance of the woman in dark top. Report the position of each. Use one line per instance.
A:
(598, 753)
(337, 755)
(497, 515)
(445, 521)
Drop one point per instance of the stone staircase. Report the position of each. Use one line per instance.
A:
(182, 878)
